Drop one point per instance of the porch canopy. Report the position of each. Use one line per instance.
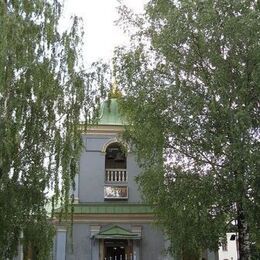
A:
(116, 232)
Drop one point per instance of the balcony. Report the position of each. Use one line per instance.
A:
(116, 176)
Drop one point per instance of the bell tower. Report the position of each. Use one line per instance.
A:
(110, 220)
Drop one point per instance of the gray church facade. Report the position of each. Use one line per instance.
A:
(110, 220)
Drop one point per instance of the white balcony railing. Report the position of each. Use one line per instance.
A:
(116, 175)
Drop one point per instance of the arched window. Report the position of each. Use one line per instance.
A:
(115, 164)
(115, 157)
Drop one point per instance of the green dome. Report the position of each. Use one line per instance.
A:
(109, 113)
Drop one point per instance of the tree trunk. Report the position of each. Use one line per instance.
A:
(243, 234)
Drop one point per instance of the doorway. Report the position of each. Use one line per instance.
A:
(117, 249)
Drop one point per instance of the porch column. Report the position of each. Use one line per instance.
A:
(95, 243)
(61, 234)
(137, 244)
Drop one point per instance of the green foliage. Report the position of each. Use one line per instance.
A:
(191, 79)
(43, 93)
(38, 245)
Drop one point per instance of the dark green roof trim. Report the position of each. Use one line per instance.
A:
(116, 232)
(111, 208)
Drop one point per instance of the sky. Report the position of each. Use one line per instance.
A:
(101, 34)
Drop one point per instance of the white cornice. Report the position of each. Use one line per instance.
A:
(102, 129)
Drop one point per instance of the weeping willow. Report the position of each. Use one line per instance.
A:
(44, 92)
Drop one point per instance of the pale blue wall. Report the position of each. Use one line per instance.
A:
(81, 248)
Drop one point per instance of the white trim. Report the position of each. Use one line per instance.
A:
(111, 141)
(115, 140)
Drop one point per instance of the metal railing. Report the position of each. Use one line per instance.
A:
(116, 175)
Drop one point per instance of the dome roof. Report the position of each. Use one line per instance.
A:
(109, 113)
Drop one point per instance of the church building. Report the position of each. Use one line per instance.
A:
(110, 221)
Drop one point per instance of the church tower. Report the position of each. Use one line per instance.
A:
(110, 220)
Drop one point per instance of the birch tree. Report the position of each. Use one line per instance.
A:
(191, 81)
(43, 92)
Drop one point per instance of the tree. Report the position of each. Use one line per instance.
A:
(43, 94)
(191, 80)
